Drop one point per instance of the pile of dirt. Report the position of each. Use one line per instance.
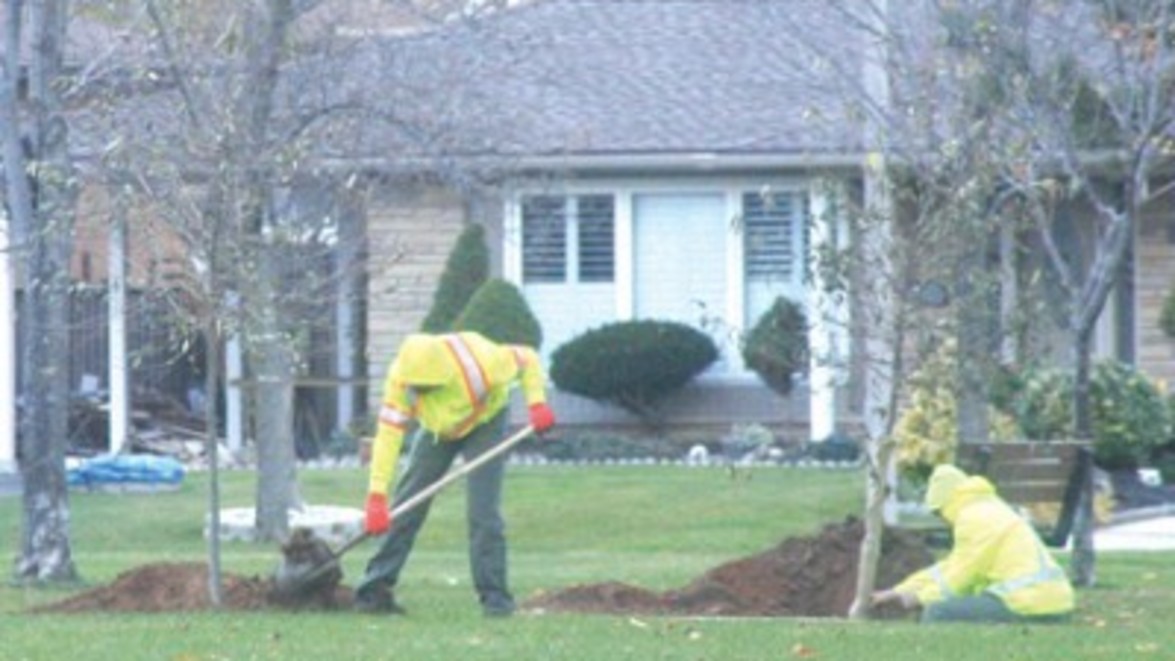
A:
(809, 576)
(166, 587)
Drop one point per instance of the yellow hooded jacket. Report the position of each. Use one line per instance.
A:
(449, 384)
(995, 550)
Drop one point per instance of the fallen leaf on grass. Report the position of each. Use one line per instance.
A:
(640, 624)
(1146, 648)
(802, 651)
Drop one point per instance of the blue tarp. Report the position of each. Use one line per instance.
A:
(126, 469)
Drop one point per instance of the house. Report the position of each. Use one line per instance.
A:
(632, 159)
(661, 159)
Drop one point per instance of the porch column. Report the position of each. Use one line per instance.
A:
(7, 357)
(827, 315)
(234, 409)
(344, 360)
(119, 392)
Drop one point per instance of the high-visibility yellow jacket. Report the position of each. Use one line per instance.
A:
(995, 550)
(449, 384)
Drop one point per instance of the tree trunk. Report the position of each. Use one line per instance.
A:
(974, 347)
(212, 358)
(879, 453)
(1082, 568)
(45, 206)
(277, 486)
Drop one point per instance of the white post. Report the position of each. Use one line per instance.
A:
(234, 401)
(116, 305)
(7, 358)
(344, 353)
(827, 316)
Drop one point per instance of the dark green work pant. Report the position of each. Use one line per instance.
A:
(428, 461)
(985, 607)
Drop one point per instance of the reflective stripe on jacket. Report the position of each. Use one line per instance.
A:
(997, 551)
(449, 384)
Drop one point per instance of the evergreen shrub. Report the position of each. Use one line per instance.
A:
(777, 346)
(1131, 417)
(499, 311)
(632, 364)
(466, 269)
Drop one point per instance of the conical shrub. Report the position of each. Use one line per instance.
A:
(498, 311)
(466, 269)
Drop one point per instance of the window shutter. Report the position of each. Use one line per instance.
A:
(597, 258)
(769, 228)
(544, 239)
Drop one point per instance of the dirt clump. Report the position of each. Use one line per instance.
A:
(804, 576)
(183, 586)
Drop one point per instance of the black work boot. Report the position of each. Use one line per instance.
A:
(497, 605)
(379, 601)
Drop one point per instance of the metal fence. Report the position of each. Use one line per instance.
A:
(163, 358)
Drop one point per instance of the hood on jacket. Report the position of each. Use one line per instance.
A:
(943, 481)
(423, 360)
(950, 488)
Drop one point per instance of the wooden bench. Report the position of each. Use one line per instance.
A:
(1032, 472)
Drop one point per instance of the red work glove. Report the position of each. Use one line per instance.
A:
(379, 519)
(541, 417)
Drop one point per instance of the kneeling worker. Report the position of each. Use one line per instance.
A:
(998, 569)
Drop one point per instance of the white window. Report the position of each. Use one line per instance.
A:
(714, 255)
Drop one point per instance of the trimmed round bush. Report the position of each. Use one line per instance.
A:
(1131, 418)
(632, 364)
(466, 269)
(777, 347)
(498, 311)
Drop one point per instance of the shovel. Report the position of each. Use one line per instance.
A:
(296, 579)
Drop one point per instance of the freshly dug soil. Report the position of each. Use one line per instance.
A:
(812, 576)
(184, 586)
(166, 587)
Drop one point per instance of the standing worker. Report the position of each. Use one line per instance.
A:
(998, 569)
(455, 388)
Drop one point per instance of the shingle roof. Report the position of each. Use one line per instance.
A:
(623, 77)
(563, 77)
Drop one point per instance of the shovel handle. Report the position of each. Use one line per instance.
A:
(412, 502)
(466, 468)
(454, 475)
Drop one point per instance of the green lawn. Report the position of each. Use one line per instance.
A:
(657, 527)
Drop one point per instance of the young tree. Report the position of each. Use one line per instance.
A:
(988, 114)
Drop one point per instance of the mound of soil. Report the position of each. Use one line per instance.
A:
(809, 576)
(166, 587)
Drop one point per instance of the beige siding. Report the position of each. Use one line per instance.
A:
(1154, 277)
(411, 231)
